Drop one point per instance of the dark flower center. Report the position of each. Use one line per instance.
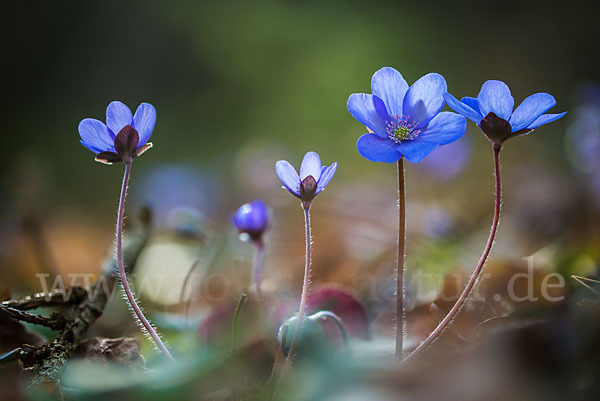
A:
(126, 143)
(308, 190)
(401, 129)
(498, 130)
(495, 128)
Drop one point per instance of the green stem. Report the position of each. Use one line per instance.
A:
(234, 338)
(236, 322)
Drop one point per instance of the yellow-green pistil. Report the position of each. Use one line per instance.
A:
(401, 129)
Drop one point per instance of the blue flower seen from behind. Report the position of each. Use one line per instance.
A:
(123, 137)
(313, 177)
(492, 111)
(404, 121)
(252, 219)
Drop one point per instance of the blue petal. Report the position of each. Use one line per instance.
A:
(462, 108)
(95, 134)
(381, 110)
(531, 108)
(260, 215)
(362, 107)
(93, 148)
(424, 99)
(311, 165)
(545, 119)
(471, 102)
(242, 216)
(326, 177)
(260, 207)
(323, 168)
(288, 176)
(446, 127)
(143, 121)
(118, 116)
(414, 151)
(377, 149)
(389, 85)
(251, 216)
(495, 97)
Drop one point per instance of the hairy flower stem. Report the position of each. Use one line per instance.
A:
(257, 269)
(304, 296)
(306, 283)
(400, 321)
(128, 292)
(476, 273)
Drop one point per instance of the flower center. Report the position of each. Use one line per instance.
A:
(400, 129)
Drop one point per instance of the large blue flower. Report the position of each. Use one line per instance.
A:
(492, 111)
(124, 135)
(312, 180)
(404, 122)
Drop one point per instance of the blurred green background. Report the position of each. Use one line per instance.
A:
(229, 73)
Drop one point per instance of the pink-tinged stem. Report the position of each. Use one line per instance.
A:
(130, 296)
(257, 269)
(400, 321)
(476, 273)
(303, 297)
(305, 284)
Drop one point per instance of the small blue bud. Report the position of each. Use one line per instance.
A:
(252, 220)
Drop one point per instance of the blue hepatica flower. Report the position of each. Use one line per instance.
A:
(123, 137)
(252, 219)
(492, 111)
(312, 180)
(404, 121)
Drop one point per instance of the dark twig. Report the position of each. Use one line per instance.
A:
(51, 358)
(55, 322)
(55, 355)
(42, 300)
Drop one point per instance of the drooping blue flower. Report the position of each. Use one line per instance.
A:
(252, 219)
(492, 111)
(312, 180)
(123, 137)
(404, 121)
